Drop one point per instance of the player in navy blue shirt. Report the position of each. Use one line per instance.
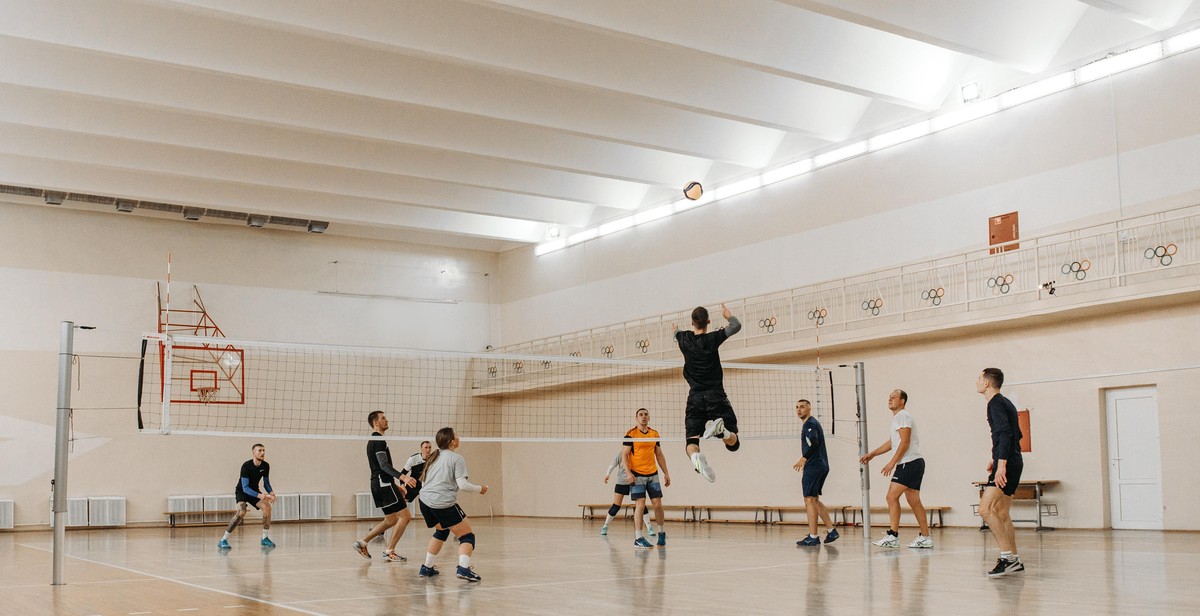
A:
(249, 493)
(707, 404)
(814, 463)
(1004, 470)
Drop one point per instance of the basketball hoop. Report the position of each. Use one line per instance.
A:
(207, 394)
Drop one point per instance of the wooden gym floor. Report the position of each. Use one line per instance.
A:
(557, 566)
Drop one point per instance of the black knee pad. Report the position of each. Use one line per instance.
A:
(692, 440)
(614, 510)
(441, 535)
(736, 446)
(468, 538)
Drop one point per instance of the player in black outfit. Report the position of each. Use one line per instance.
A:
(387, 490)
(249, 494)
(707, 400)
(1005, 470)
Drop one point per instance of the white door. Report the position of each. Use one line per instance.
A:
(1134, 461)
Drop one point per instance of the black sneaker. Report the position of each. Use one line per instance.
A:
(1005, 567)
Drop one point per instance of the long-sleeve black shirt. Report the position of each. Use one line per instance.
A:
(1006, 432)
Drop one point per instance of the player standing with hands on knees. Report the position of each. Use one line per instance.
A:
(249, 494)
(706, 399)
(907, 468)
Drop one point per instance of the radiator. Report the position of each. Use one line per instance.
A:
(6, 514)
(316, 507)
(106, 511)
(286, 507)
(218, 502)
(191, 502)
(364, 507)
(77, 511)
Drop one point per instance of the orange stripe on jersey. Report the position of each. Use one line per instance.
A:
(643, 461)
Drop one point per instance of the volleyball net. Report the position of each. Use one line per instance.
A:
(221, 386)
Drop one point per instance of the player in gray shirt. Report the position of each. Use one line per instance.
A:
(620, 491)
(444, 475)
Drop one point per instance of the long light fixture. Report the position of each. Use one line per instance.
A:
(1109, 65)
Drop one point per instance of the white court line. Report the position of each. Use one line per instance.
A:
(181, 582)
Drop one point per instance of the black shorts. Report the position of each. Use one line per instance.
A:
(447, 517)
(704, 406)
(1012, 474)
(387, 496)
(621, 488)
(413, 492)
(242, 497)
(909, 474)
(813, 481)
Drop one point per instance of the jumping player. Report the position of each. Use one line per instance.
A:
(387, 491)
(249, 494)
(706, 398)
(444, 475)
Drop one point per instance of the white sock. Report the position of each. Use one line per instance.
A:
(226, 537)
(264, 533)
(464, 561)
(607, 519)
(1009, 556)
(637, 534)
(813, 536)
(429, 559)
(648, 521)
(659, 527)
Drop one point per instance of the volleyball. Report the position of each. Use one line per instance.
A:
(693, 190)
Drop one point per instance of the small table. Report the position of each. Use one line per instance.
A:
(1031, 489)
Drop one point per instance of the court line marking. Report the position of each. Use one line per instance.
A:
(183, 583)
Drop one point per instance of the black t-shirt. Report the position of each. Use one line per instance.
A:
(701, 361)
(374, 447)
(250, 477)
(1006, 432)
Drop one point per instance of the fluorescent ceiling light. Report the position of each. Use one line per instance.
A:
(583, 236)
(1182, 42)
(685, 204)
(840, 154)
(736, 188)
(1037, 89)
(1119, 62)
(974, 111)
(548, 247)
(616, 225)
(661, 211)
(900, 135)
(787, 171)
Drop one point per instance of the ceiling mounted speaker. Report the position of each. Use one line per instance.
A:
(317, 226)
(256, 221)
(124, 205)
(192, 213)
(54, 198)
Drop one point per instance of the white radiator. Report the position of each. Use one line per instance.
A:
(218, 502)
(77, 511)
(6, 514)
(316, 507)
(190, 502)
(106, 511)
(286, 507)
(364, 507)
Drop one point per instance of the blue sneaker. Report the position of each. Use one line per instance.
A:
(649, 529)
(809, 542)
(468, 574)
(429, 571)
(642, 544)
(831, 536)
(223, 544)
(267, 543)
(604, 529)
(662, 539)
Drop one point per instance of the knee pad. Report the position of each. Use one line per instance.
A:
(468, 538)
(441, 535)
(692, 440)
(614, 510)
(736, 446)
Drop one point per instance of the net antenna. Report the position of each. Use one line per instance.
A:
(326, 392)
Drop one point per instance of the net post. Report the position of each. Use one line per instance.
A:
(860, 387)
(168, 358)
(66, 345)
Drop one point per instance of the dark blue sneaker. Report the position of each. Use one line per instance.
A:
(267, 543)
(223, 544)
(662, 539)
(809, 542)
(831, 536)
(468, 574)
(642, 544)
(429, 571)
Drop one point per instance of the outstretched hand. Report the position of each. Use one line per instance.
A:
(725, 312)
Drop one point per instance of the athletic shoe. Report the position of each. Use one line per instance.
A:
(361, 548)
(604, 529)
(715, 430)
(642, 544)
(223, 544)
(831, 536)
(662, 539)
(809, 541)
(430, 571)
(468, 574)
(702, 467)
(888, 541)
(267, 543)
(393, 557)
(650, 530)
(922, 542)
(1005, 567)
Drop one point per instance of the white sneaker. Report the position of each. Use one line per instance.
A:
(715, 430)
(888, 541)
(702, 467)
(922, 542)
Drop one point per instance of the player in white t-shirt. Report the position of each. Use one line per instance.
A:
(907, 468)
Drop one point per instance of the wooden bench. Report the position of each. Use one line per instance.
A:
(855, 511)
(1027, 490)
(703, 513)
(173, 522)
(588, 512)
(834, 511)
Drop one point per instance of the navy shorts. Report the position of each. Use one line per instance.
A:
(621, 488)
(1012, 473)
(450, 516)
(705, 406)
(909, 474)
(643, 485)
(386, 496)
(813, 480)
